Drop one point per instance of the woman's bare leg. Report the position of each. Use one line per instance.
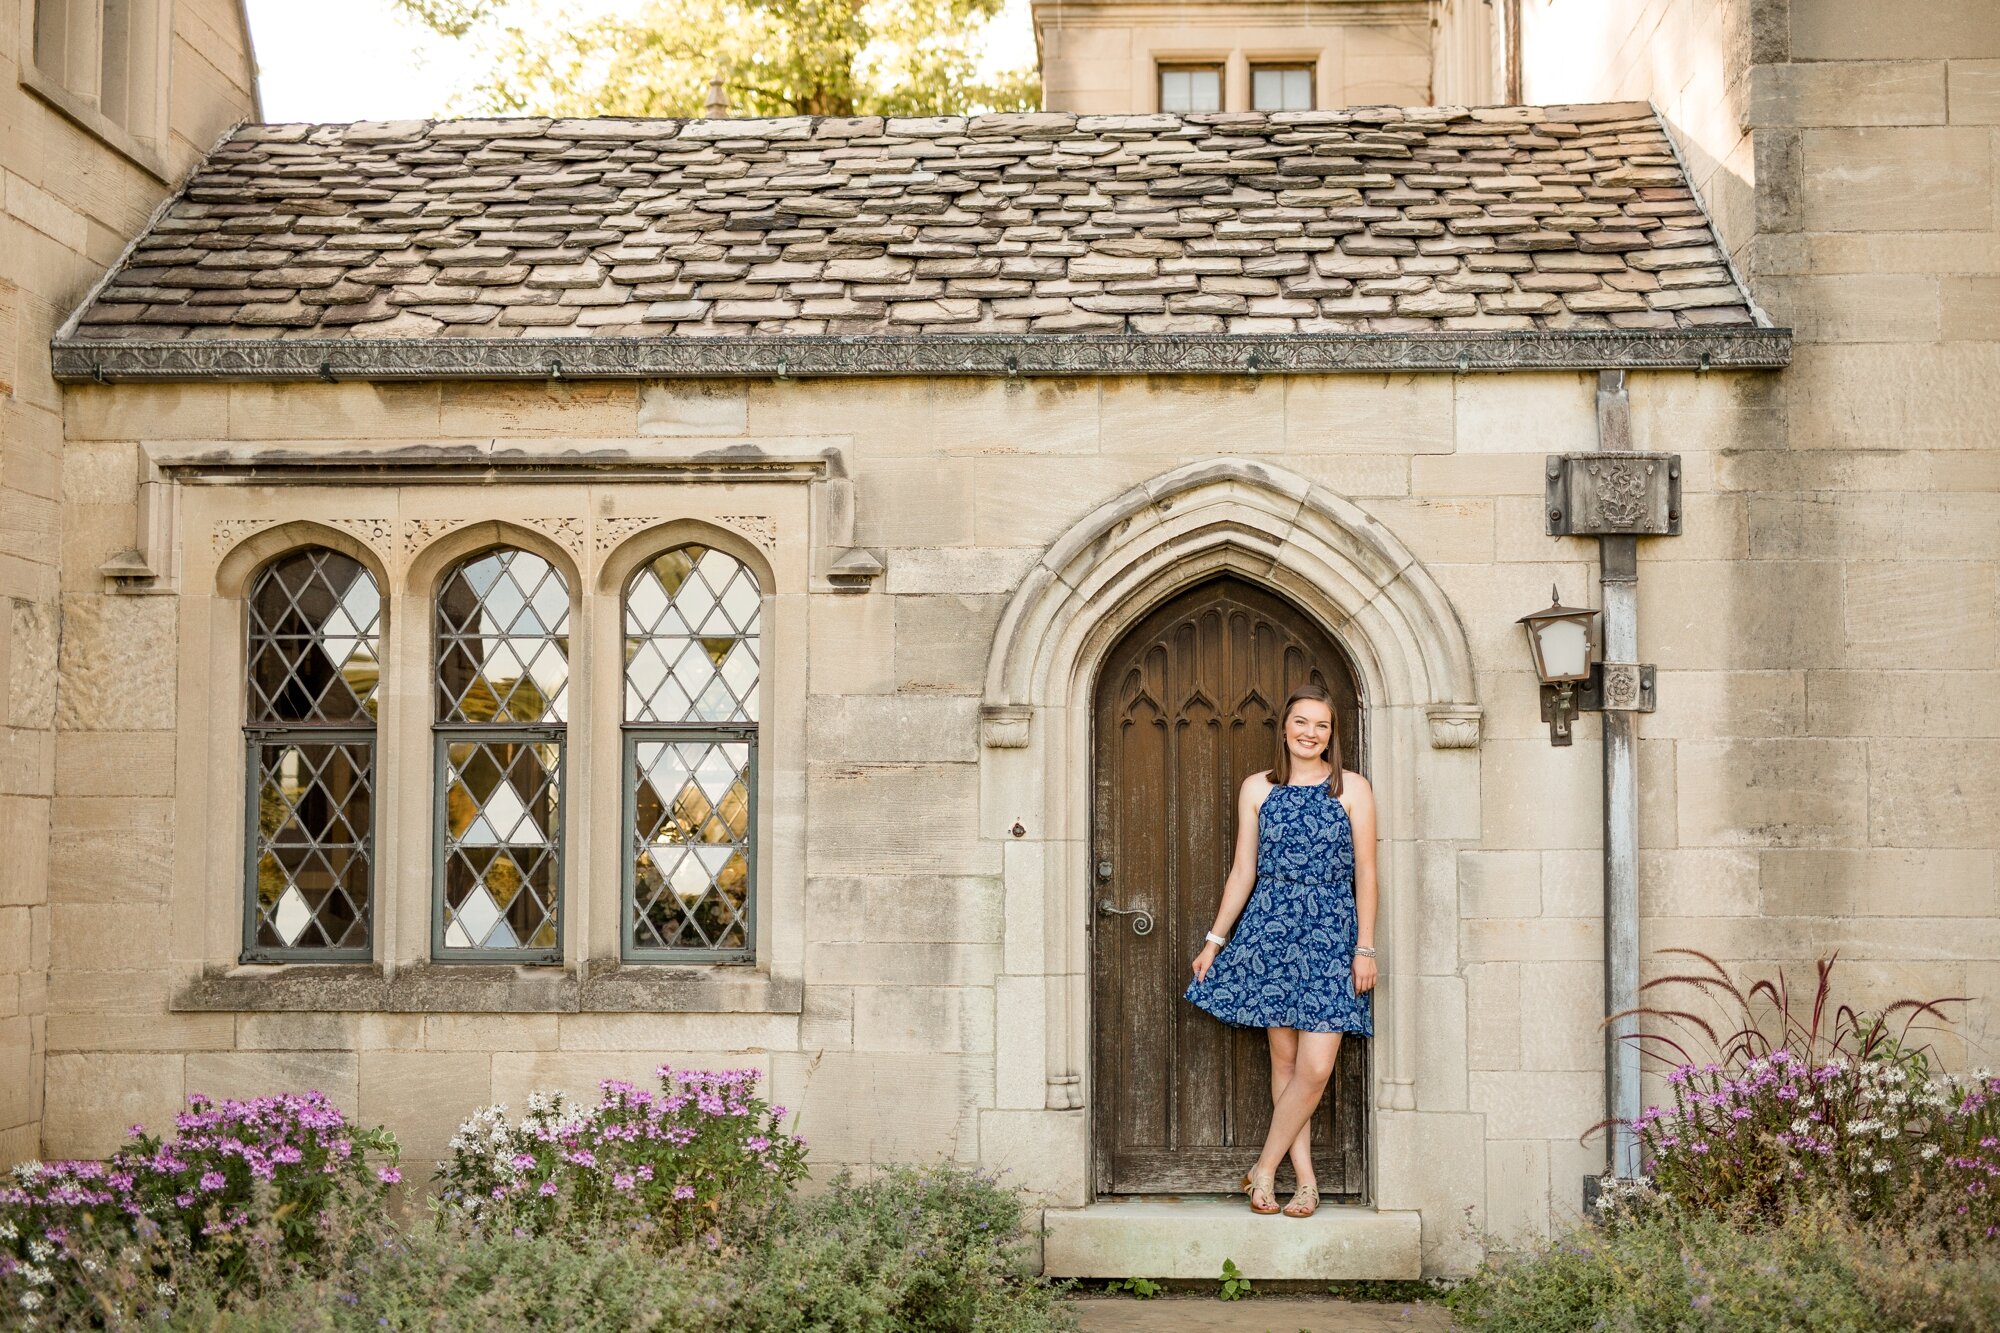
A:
(1292, 1111)
(1284, 1056)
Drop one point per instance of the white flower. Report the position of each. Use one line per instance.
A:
(92, 1266)
(1928, 1151)
(35, 1276)
(1881, 1165)
(166, 1291)
(39, 1250)
(1890, 1131)
(7, 1231)
(30, 1299)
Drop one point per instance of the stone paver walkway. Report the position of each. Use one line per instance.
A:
(1258, 1314)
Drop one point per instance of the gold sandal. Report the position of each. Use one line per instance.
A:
(1305, 1201)
(1261, 1186)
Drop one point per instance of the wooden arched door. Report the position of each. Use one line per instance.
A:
(1186, 708)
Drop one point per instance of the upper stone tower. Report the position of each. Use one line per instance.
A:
(1119, 56)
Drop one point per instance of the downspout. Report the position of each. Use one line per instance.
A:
(1618, 565)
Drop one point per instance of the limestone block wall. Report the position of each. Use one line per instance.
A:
(1099, 58)
(919, 935)
(69, 199)
(1833, 749)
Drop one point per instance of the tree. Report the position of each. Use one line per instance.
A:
(775, 57)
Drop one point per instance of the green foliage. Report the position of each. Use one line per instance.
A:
(775, 57)
(1144, 1288)
(1815, 1272)
(1234, 1285)
(936, 1250)
(704, 1159)
(918, 1250)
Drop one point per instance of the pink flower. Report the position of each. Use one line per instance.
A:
(683, 1192)
(389, 1175)
(212, 1181)
(548, 1189)
(622, 1180)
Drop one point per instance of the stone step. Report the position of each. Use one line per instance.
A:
(1188, 1236)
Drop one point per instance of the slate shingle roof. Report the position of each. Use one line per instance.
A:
(1364, 220)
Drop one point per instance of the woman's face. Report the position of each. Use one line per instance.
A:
(1308, 729)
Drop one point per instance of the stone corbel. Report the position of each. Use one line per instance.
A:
(843, 566)
(1004, 726)
(1454, 726)
(151, 564)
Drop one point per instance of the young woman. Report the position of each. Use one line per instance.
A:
(1301, 963)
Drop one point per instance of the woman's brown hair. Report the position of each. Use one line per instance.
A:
(1312, 689)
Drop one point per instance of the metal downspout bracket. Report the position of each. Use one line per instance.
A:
(1618, 495)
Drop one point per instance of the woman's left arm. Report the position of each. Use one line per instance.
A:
(1361, 817)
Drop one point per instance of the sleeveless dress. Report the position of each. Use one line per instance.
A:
(1290, 961)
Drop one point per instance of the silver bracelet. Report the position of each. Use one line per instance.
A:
(1216, 939)
(1364, 951)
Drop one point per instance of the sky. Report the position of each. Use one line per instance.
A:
(374, 65)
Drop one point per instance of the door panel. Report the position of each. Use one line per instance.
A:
(1186, 709)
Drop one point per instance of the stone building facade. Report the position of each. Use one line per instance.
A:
(981, 408)
(89, 145)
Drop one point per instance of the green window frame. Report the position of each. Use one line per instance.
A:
(692, 624)
(312, 667)
(500, 739)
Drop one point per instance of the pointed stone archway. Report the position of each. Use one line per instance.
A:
(1333, 560)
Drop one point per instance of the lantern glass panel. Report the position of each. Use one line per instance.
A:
(1564, 649)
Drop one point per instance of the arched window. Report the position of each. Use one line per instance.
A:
(502, 706)
(691, 670)
(315, 623)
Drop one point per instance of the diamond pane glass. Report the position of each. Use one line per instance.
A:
(503, 640)
(315, 639)
(691, 844)
(691, 638)
(311, 848)
(502, 840)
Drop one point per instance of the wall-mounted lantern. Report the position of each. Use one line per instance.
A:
(1561, 638)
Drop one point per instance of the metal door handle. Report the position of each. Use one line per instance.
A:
(1142, 920)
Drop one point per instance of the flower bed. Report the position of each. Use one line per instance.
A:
(700, 1159)
(279, 1175)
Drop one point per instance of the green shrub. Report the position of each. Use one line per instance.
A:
(1815, 1272)
(916, 1250)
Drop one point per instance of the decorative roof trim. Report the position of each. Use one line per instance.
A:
(823, 356)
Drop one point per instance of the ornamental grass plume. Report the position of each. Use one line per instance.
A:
(701, 1159)
(1817, 1102)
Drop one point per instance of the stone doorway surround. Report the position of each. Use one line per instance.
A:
(1340, 565)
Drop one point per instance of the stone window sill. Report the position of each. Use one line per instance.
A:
(602, 986)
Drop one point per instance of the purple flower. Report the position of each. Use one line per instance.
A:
(389, 1175)
(683, 1192)
(211, 1181)
(548, 1189)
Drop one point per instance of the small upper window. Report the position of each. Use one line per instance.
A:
(106, 54)
(1281, 88)
(1186, 88)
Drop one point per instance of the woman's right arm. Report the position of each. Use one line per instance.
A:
(1242, 869)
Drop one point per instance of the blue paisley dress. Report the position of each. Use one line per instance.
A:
(1290, 961)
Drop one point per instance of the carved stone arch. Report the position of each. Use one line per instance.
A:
(1338, 564)
(627, 552)
(429, 561)
(1270, 523)
(240, 563)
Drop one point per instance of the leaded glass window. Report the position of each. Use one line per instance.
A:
(502, 710)
(314, 662)
(692, 627)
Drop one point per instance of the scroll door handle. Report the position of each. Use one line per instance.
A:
(1142, 920)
